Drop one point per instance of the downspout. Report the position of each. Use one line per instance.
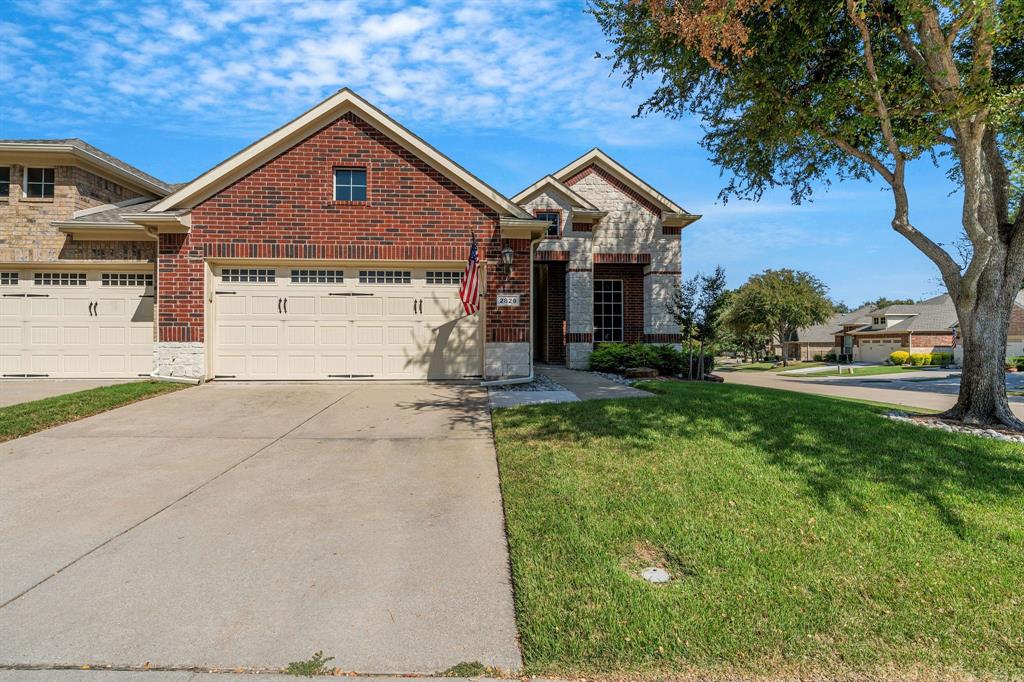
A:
(529, 377)
(152, 233)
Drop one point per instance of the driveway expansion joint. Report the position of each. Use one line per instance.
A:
(173, 502)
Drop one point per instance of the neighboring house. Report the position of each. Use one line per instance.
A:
(609, 261)
(821, 339)
(76, 290)
(333, 247)
(1014, 336)
(925, 327)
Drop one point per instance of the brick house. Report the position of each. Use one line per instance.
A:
(76, 291)
(334, 248)
(925, 327)
(1014, 335)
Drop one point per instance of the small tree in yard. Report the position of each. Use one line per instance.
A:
(797, 92)
(709, 308)
(782, 301)
(683, 308)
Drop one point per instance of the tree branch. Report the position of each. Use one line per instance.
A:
(869, 159)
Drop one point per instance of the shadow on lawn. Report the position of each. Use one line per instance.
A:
(832, 446)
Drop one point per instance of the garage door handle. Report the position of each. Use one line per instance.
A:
(278, 306)
(286, 306)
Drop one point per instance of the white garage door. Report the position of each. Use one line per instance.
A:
(342, 323)
(76, 324)
(874, 350)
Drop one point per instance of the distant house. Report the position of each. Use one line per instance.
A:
(819, 340)
(925, 327)
(1014, 336)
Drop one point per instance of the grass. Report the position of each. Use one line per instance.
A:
(770, 366)
(868, 371)
(312, 667)
(25, 418)
(806, 536)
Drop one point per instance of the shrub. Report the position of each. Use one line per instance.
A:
(830, 357)
(942, 359)
(616, 357)
(818, 357)
(899, 357)
(920, 359)
(1017, 362)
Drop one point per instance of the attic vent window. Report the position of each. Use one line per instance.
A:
(554, 218)
(350, 184)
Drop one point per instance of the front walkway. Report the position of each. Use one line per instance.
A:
(556, 384)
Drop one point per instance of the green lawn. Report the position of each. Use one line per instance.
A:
(868, 371)
(770, 366)
(25, 418)
(806, 535)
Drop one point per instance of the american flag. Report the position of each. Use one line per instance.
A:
(469, 290)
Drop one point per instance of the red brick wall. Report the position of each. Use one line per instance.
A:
(1016, 321)
(556, 314)
(286, 209)
(632, 277)
(921, 341)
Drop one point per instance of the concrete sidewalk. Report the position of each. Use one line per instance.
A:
(919, 397)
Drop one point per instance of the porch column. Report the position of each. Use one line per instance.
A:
(579, 308)
(659, 327)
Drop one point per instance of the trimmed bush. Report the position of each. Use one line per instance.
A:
(899, 357)
(830, 357)
(617, 357)
(920, 359)
(942, 359)
(1017, 362)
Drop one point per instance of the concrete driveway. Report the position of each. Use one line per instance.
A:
(14, 391)
(249, 525)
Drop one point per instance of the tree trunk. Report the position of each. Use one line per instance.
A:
(700, 372)
(983, 329)
(689, 365)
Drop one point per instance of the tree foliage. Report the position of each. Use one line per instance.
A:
(801, 93)
(780, 302)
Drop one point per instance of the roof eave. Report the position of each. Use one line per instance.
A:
(293, 132)
(95, 162)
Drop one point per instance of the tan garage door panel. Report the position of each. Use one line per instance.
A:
(76, 324)
(872, 350)
(342, 322)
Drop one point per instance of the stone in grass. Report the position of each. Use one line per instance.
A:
(656, 575)
(640, 373)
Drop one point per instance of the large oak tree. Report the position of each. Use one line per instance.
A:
(796, 93)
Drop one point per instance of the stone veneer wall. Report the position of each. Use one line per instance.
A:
(26, 235)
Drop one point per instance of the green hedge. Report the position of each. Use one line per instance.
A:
(616, 357)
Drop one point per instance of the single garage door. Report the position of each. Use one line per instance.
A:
(876, 350)
(86, 324)
(342, 323)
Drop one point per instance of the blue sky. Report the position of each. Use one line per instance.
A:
(512, 90)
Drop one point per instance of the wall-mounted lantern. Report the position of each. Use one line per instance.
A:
(507, 258)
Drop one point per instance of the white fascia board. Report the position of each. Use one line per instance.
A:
(308, 123)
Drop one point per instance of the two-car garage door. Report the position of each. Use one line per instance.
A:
(342, 322)
(71, 324)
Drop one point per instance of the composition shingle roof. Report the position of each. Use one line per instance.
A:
(84, 146)
(934, 314)
(114, 215)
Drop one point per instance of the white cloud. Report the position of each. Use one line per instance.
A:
(251, 64)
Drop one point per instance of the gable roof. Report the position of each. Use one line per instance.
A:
(934, 314)
(550, 181)
(300, 128)
(95, 159)
(597, 157)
